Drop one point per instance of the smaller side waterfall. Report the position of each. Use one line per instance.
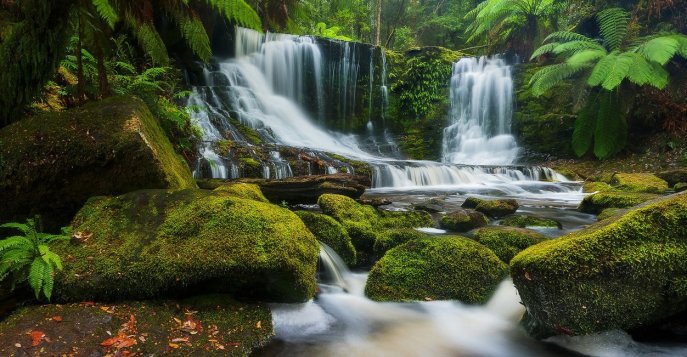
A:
(481, 110)
(332, 270)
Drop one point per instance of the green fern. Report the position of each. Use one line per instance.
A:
(610, 134)
(583, 135)
(106, 11)
(613, 26)
(28, 258)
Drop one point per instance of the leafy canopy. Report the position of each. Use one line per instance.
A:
(27, 257)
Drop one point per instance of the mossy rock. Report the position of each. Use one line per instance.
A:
(679, 187)
(330, 232)
(436, 268)
(524, 221)
(463, 220)
(364, 223)
(229, 328)
(506, 242)
(597, 202)
(593, 186)
(620, 273)
(673, 177)
(393, 238)
(53, 162)
(640, 183)
(242, 190)
(492, 208)
(609, 212)
(156, 243)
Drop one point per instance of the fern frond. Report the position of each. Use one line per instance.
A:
(644, 72)
(106, 11)
(566, 36)
(618, 71)
(15, 242)
(613, 25)
(24, 228)
(37, 275)
(585, 57)
(601, 70)
(659, 49)
(610, 134)
(152, 43)
(48, 283)
(585, 124)
(550, 76)
(49, 257)
(238, 11)
(544, 49)
(576, 46)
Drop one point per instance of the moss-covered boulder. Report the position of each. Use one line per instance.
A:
(673, 177)
(620, 273)
(330, 232)
(492, 208)
(395, 237)
(680, 186)
(364, 223)
(50, 164)
(242, 190)
(506, 242)
(463, 220)
(610, 212)
(153, 243)
(524, 221)
(210, 325)
(594, 186)
(640, 182)
(597, 202)
(436, 268)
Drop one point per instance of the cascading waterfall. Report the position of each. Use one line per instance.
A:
(481, 111)
(270, 85)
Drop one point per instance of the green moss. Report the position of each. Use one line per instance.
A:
(359, 167)
(53, 162)
(393, 238)
(364, 223)
(327, 230)
(640, 183)
(242, 190)
(609, 212)
(506, 242)
(593, 186)
(523, 221)
(463, 220)
(599, 201)
(236, 327)
(674, 177)
(154, 243)
(436, 268)
(680, 186)
(247, 132)
(492, 208)
(620, 273)
(251, 162)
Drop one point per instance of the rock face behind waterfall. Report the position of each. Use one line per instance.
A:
(52, 163)
(624, 272)
(153, 243)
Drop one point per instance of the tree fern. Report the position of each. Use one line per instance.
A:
(566, 36)
(238, 11)
(583, 135)
(106, 11)
(152, 44)
(660, 49)
(613, 26)
(194, 33)
(610, 134)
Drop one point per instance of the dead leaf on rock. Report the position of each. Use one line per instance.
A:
(36, 337)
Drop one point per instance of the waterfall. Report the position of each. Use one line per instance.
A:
(481, 110)
(332, 270)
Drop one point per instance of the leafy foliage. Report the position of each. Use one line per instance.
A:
(608, 62)
(28, 257)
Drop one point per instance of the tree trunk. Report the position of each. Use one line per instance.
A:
(81, 84)
(378, 24)
(103, 83)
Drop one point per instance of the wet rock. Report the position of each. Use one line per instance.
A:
(436, 268)
(673, 177)
(524, 221)
(640, 183)
(374, 202)
(463, 220)
(620, 273)
(492, 208)
(597, 202)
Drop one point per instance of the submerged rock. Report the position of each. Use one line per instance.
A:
(463, 220)
(492, 208)
(154, 243)
(53, 162)
(302, 189)
(436, 268)
(523, 221)
(621, 273)
(602, 200)
(640, 183)
(210, 325)
(330, 232)
(506, 242)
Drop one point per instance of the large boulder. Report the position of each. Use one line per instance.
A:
(463, 220)
(492, 208)
(153, 243)
(436, 268)
(639, 182)
(523, 221)
(330, 232)
(395, 237)
(506, 242)
(600, 201)
(673, 177)
(50, 164)
(209, 325)
(621, 273)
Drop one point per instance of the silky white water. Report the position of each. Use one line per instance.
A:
(479, 131)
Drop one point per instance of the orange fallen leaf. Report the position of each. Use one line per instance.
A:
(120, 341)
(173, 345)
(36, 337)
(180, 339)
(258, 325)
(56, 318)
